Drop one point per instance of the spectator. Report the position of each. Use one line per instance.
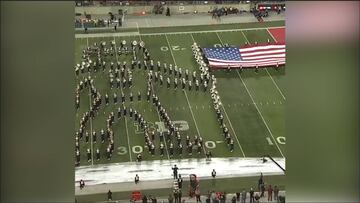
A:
(213, 196)
(176, 196)
(262, 190)
(257, 198)
(144, 199)
(251, 195)
(276, 193)
(233, 200)
(208, 200)
(170, 198)
(197, 194)
(270, 193)
(109, 194)
(223, 198)
(154, 200)
(237, 196)
(243, 196)
(179, 196)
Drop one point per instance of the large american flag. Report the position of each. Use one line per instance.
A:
(260, 55)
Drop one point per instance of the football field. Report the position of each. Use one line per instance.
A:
(253, 103)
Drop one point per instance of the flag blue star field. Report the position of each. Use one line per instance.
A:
(248, 56)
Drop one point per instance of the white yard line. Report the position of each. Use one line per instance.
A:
(137, 27)
(260, 113)
(192, 114)
(125, 120)
(192, 37)
(219, 38)
(277, 87)
(90, 120)
(227, 117)
(167, 40)
(91, 131)
(232, 128)
(166, 148)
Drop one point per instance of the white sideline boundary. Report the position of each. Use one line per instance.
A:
(158, 170)
(168, 33)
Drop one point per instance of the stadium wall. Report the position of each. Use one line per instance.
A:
(104, 10)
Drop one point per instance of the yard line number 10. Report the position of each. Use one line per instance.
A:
(280, 140)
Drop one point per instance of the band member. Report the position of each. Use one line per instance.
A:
(161, 149)
(180, 148)
(171, 149)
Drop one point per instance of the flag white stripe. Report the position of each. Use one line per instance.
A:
(273, 62)
(248, 65)
(262, 48)
(254, 60)
(263, 52)
(264, 56)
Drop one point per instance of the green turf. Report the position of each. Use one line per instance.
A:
(256, 133)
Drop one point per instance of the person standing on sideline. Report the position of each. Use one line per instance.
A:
(270, 193)
(213, 173)
(261, 181)
(109, 194)
(167, 11)
(136, 179)
(276, 193)
(82, 184)
(175, 171)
